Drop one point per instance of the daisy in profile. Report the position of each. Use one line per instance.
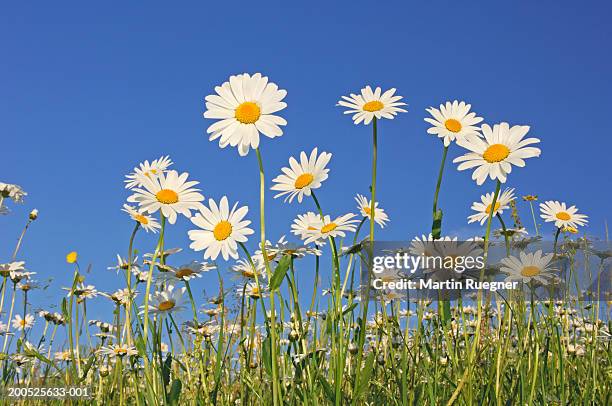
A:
(170, 192)
(187, 272)
(483, 208)
(22, 323)
(118, 351)
(245, 106)
(302, 177)
(563, 216)
(304, 224)
(332, 228)
(168, 300)
(244, 269)
(502, 147)
(528, 267)
(283, 247)
(251, 290)
(147, 222)
(220, 229)
(124, 264)
(372, 104)
(147, 170)
(452, 121)
(15, 266)
(365, 207)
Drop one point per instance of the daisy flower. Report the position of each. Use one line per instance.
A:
(166, 301)
(370, 104)
(562, 215)
(494, 155)
(22, 323)
(118, 350)
(220, 229)
(365, 206)
(483, 208)
(335, 228)
(528, 267)
(306, 223)
(283, 247)
(147, 222)
(302, 177)
(13, 192)
(453, 121)
(63, 356)
(170, 192)
(251, 290)
(15, 266)
(244, 269)
(147, 170)
(245, 106)
(123, 264)
(189, 271)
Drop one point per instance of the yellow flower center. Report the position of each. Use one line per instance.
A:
(570, 229)
(120, 351)
(563, 216)
(496, 153)
(311, 228)
(488, 210)
(141, 219)
(367, 210)
(247, 113)
(222, 230)
(329, 227)
(167, 196)
(373, 105)
(452, 125)
(166, 305)
(247, 273)
(182, 273)
(254, 292)
(23, 322)
(303, 180)
(530, 271)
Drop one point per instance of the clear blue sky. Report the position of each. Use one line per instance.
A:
(88, 91)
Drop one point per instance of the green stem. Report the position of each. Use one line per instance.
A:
(436, 226)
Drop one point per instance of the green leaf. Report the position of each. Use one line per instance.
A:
(88, 366)
(366, 374)
(349, 309)
(329, 392)
(175, 391)
(266, 354)
(166, 369)
(280, 272)
(436, 227)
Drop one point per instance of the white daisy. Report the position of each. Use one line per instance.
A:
(494, 155)
(13, 192)
(335, 228)
(118, 350)
(562, 215)
(147, 222)
(166, 301)
(365, 207)
(302, 177)
(244, 107)
(483, 208)
(147, 170)
(220, 229)
(370, 104)
(189, 271)
(244, 269)
(22, 323)
(251, 290)
(170, 192)
(15, 266)
(123, 264)
(305, 223)
(528, 267)
(453, 121)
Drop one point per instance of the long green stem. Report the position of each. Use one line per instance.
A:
(436, 226)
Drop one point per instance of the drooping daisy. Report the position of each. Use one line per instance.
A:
(562, 215)
(302, 177)
(332, 228)
(168, 300)
(453, 121)
(147, 222)
(245, 106)
(244, 269)
(220, 229)
(370, 104)
(147, 170)
(22, 323)
(306, 223)
(483, 208)
(13, 192)
(123, 264)
(528, 267)
(170, 192)
(494, 155)
(365, 207)
(118, 350)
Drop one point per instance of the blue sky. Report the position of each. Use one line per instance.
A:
(88, 91)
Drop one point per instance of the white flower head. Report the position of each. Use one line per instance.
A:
(528, 267)
(562, 215)
(147, 222)
(483, 208)
(453, 121)
(245, 107)
(146, 170)
(365, 208)
(372, 104)
(302, 177)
